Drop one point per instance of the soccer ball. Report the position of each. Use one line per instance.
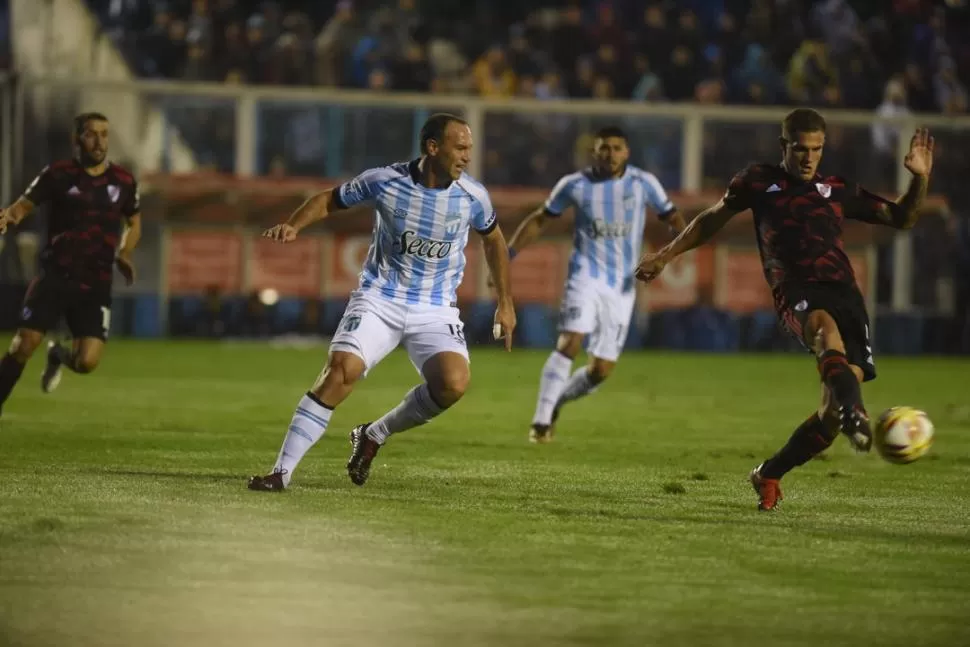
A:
(903, 434)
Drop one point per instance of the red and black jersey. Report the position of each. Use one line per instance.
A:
(86, 220)
(799, 224)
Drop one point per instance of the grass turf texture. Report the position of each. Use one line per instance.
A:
(124, 518)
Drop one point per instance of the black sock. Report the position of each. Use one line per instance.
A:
(811, 438)
(836, 373)
(10, 370)
(65, 356)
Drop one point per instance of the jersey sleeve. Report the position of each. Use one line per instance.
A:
(657, 198)
(132, 205)
(740, 194)
(483, 218)
(365, 187)
(559, 199)
(41, 190)
(865, 206)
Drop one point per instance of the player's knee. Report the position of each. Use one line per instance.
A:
(342, 372)
(86, 363)
(24, 343)
(823, 333)
(569, 344)
(448, 385)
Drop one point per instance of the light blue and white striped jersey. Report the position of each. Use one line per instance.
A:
(418, 251)
(610, 217)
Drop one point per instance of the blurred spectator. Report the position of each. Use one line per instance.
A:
(830, 53)
(885, 136)
(492, 75)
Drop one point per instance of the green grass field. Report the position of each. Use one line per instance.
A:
(127, 522)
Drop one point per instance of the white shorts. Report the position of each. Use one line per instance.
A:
(371, 327)
(602, 312)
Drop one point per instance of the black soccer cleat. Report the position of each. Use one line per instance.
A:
(542, 434)
(270, 483)
(51, 376)
(363, 453)
(854, 423)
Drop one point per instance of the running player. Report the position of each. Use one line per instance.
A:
(611, 199)
(91, 202)
(407, 293)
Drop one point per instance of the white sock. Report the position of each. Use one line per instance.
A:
(417, 408)
(579, 384)
(553, 381)
(309, 422)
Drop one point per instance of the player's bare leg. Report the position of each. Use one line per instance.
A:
(22, 347)
(842, 379)
(311, 418)
(83, 357)
(820, 430)
(555, 377)
(446, 377)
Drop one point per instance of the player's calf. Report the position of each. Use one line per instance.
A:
(22, 347)
(447, 376)
(311, 418)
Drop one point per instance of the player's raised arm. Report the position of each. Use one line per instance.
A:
(37, 193)
(531, 228)
(905, 211)
(528, 231)
(363, 188)
(497, 257)
(700, 230)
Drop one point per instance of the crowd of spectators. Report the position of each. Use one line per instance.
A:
(855, 54)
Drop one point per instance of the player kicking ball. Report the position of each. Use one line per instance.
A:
(91, 201)
(406, 296)
(611, 199)
(798, 219)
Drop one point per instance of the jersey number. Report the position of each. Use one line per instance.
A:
(105, 319)
(457, 332)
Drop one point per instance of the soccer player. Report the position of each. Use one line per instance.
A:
(91, 201)
(423, 211)
(611, 199)
(798, 218)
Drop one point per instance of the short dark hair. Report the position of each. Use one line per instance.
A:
(611, 131)
(434, 128)
(81, 121)
(801, 120)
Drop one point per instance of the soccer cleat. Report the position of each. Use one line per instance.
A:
(364, 451)
(270, 483)
(542, 434)
(854, 423)
(769, 490)
(51, 376)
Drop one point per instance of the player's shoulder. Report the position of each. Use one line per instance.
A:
(475, 189)
(643, 175)
(386, 173)
(121, 174)
(758, 175)
(61, 167)
(572, 179)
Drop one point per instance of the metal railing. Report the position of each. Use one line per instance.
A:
(252, 131)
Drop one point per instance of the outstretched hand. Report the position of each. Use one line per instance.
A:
(281, 233)
(919, 159)
(650, 267)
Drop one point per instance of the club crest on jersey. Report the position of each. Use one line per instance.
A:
(114, 192)
(452, 223)
(825, 190)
